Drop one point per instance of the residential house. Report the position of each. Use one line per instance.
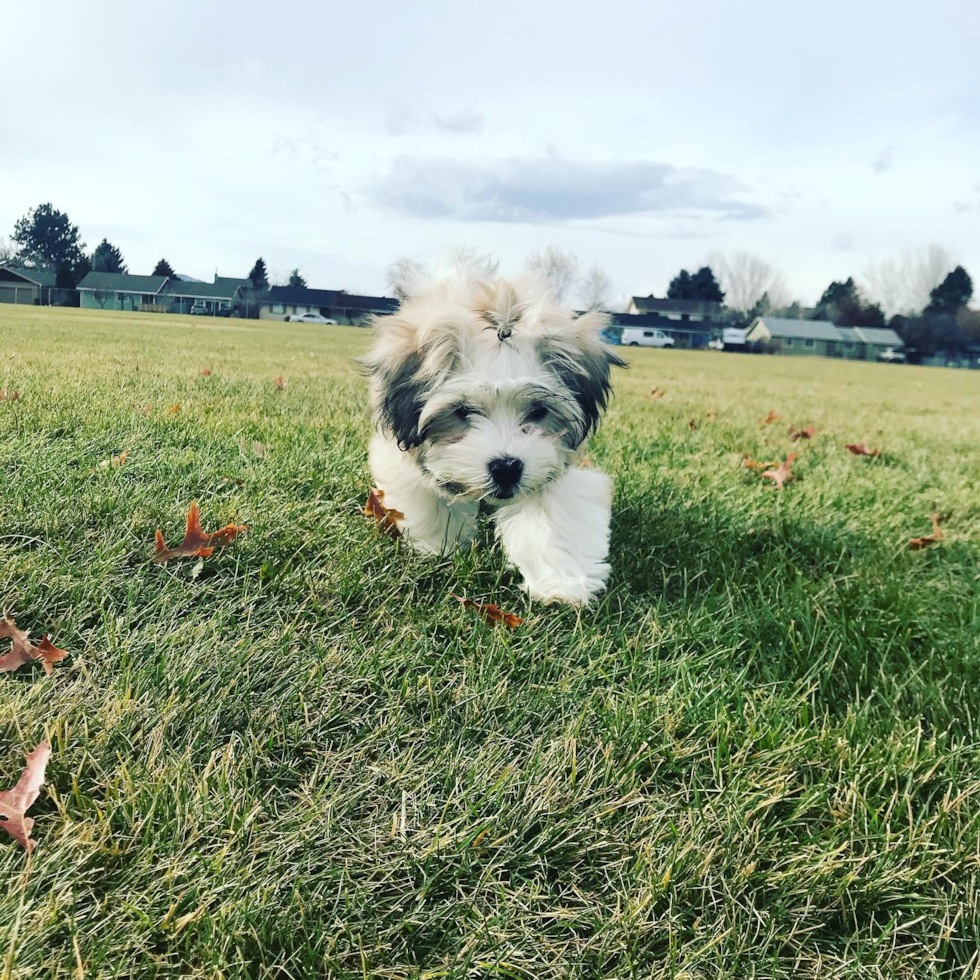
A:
(26, 286)
(121, 291)
(686, 310)
(225, 293)
(821, 338)
(866, 343)
(335, 304)
(690, 334)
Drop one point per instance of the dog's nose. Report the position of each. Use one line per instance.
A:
(506, 474)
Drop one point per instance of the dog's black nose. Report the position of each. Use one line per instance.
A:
(506, 474)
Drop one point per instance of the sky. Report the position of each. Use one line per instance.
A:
(641, 136)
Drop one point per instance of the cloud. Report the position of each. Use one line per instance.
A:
(548, 189)
(402, 119)
(466, 120)
(885, 160)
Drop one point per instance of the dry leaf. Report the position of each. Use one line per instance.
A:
(386, 518)
(656, 393)
(258, 448)
(281, 383)
(205, 372)
(917, 544)
(692, 423)
(14, 803)
(175, 409)
(807, 432)
(8, 396)
(782, 474)
(771, 417)
(861, 449)
(114, 461)
(22, 651)
(754, 464)
(196, 543)
(490, 613)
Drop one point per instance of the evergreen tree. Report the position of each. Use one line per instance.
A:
(259, 276)
(164, 268)
(48, 239)
(295, 279)
(107, 258)
(952, 294)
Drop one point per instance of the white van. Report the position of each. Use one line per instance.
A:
(645, 337)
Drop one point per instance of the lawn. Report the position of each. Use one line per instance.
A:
(758, 756)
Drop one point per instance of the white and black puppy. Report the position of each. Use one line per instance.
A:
(484, 389)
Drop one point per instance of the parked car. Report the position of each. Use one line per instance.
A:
(643, 337)
(199, 309)
(225, 311)
(310, 318)
(892, 355)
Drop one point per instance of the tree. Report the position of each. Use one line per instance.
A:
(8, 251)
(843, 304)
(107, 258)
(259, 276)
(401, 276)
(594, 289)
(701, 286)
(557, 267)
(295, 279)
(952, 294)
(745, 278)
(903, 284)
(48, 239)
(163, 268)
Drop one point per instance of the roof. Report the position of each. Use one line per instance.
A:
(221, 288)
(803, 329)
(122, 282)
(336, 298)
(373, 304)
(232, 283)
(37, 277)
(650, 304)
(665, 323)
(879, 335)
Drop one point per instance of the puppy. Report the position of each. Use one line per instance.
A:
(484, 390)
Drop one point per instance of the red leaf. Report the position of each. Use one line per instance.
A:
(861, 449)
(490, 613)
(385, 516)
(22, 651)
(917, 544)
(8, 396)
(14, 803)
(196, 543)
(782, 474)
(205, 372)
(281, 383)
(807, 432)
(771, 417)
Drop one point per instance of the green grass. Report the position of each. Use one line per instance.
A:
(758, 756)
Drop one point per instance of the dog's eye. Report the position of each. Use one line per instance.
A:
(537, 414)
(462, 413)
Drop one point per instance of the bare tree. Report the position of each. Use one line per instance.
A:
(594, 289)
(558, 267)
(8, 251)
(902, 284)
(401, 275)
(746, 278)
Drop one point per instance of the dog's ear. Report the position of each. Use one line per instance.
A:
(400, 400)
(581, 362)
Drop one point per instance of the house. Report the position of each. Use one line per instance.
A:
(690, 334)
(866, 343)
(335, 304)
(225, 293)
(819, 338)
(120, 291)
(677, 309)
(26, 286)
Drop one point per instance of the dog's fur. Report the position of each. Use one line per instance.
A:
(473, 370)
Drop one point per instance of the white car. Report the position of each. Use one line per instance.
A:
(892, 355)
(310, 318)
(645, 337)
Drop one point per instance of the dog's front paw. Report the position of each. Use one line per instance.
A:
(559, 586)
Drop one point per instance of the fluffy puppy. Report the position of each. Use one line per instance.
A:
(484, 390)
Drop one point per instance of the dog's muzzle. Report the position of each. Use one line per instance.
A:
(505, 473)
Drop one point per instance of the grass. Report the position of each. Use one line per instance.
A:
(756, 757)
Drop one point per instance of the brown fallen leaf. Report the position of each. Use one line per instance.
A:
(771, 417)
(175, 409)
(196, 543)
(8, 396)
(114, 461)
(22, 651)
(754, 464)
(490, 613)
(386, 517)
(917, 544)
(281, 383)
(807, 432)
(14, 803)
(861, 449)
(656, 393)
(205, 372)
(258, 448)
(782, 474)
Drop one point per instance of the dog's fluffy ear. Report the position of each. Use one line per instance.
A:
(581, 360)
(404, 372)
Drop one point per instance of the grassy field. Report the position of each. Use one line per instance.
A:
(757, 757)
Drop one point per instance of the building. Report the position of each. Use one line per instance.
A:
(26, 286)
(820, 338)
(335, 304)
(121, 291)
(225, 293)
(686, 310)
(690, 334)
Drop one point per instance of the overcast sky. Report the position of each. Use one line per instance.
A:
(639, 135)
